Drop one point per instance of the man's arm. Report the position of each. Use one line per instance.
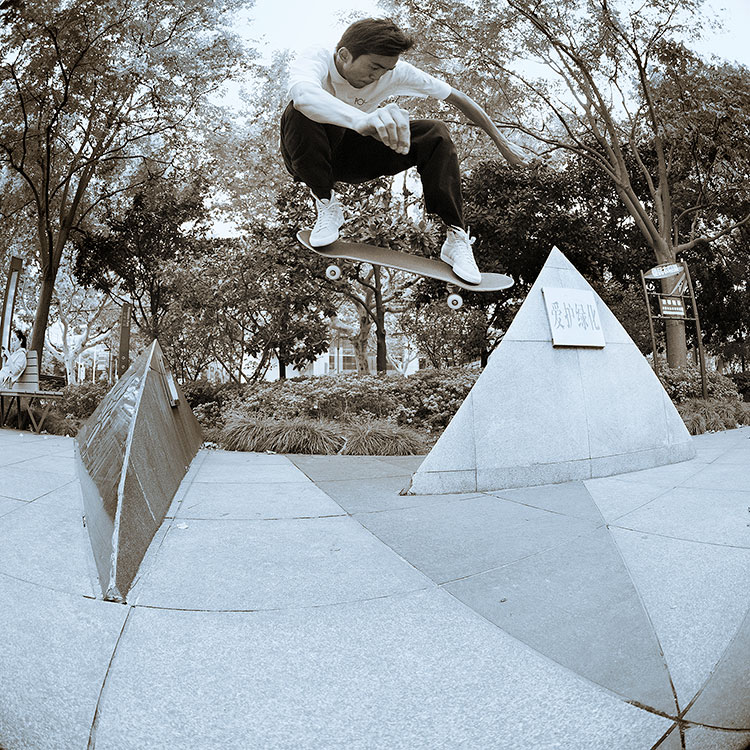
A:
(389, 124)
(478, 116)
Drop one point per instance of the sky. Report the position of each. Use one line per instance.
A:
(296, 24)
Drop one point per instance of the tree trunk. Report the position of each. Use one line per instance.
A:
(42, 311)
(282, 370)
(382, 352)
(675, 338)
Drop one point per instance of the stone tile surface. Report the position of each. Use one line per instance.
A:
(47, 544)
(405, 673)
(593, 624)
(453, 539)
(696, 595)
(322, 468)
(229, 501)
(23, 484)
(369, 495)
(615, 498)
(570, 499)
(248, 565)
(701, 515)
(54, 649)
(702, 738)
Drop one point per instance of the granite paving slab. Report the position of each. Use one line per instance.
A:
(718, 476)
(47, 545)
(248, 473)
(452, 539)
(670, 475)
(701, 515)
(696, 595)
(239, 458)
(322, 468)
(413, 672)
(63, 466)
(614, 497)
(54, 649)
(228, 501)
(10, 504)
(23, 484)
(367, 495)
(701, 738)
(249, 565)
(591, 623)
(724, 702)
(672, 741)
(570, 499)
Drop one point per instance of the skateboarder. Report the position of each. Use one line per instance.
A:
(335, 129)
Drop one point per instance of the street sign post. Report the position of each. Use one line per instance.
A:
(672, 306)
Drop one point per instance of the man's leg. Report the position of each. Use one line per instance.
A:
(360, 158)
(432, 152)
(307, 148)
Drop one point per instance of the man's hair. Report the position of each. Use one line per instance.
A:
(375, 36)
(21, 336)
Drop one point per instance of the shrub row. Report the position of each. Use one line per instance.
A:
(372, 437)
(426, 400)
(683, 383)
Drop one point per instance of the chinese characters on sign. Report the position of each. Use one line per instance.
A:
(672, 307)
(573, 317)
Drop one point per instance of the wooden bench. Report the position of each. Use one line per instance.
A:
(25, 393)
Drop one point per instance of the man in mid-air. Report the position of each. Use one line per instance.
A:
(334, 130)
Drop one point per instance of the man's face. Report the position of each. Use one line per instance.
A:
(366, 69)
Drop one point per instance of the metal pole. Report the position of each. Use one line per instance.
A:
(650, 323)
(701, 353)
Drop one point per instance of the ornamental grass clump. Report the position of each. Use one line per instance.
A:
(713, 415)
(298, 435)
(377, 437)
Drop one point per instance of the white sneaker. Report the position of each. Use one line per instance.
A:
(457, 253)
(329, 221)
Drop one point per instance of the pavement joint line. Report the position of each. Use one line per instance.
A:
(549, 510)
(520, 559)
(679, 538)
(546, 657)
(274, 518)
(649, 619)
(91, 745)
(36, 584)
(711, 675)
(326, 605)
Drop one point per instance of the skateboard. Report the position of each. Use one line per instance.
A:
(417, 264)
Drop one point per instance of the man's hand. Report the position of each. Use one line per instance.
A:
(513, 154)
(390, 125)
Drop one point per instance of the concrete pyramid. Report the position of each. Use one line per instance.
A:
(131, 456)
(540, 414)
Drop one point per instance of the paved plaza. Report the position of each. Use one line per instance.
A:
(302, 602)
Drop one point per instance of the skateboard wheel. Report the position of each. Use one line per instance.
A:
(333, 273)
(455, 301)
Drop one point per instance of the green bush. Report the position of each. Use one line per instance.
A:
(426, 400)
(713, 415)
(80, 400)
(742, 381)
(684, 383)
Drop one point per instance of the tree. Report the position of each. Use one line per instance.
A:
(163, 222)
(605, 100)
(84, 318)
(88, 87)
(251, 296)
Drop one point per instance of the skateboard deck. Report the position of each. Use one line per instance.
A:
(418, 264)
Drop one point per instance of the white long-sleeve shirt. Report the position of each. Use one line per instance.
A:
(13, 368)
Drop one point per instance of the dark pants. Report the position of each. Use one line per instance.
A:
(320, 155)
